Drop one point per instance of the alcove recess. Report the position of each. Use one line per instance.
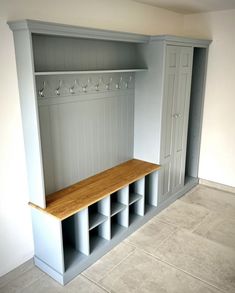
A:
(85, 92)
(58, 54)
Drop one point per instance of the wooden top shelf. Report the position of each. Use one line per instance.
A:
(47, 73)
(68, 201)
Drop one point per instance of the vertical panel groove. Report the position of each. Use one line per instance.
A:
(84, 137)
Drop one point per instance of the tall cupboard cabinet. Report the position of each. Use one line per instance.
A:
(101, 110)
(176, 97)
(162, 107)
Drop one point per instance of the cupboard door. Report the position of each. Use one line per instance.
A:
(165, 177)
(181, 112)
(167, 137)
(170, 92)
(176, 96)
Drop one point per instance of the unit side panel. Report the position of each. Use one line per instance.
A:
(148, 103)
(48, 240)
(29, 110)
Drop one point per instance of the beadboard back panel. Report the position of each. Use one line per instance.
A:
(84, 133)
(53, 53)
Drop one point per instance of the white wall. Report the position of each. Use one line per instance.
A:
(16, 244)
(217, 159)
(123, 15)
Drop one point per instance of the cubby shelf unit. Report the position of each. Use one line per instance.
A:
(92, 216)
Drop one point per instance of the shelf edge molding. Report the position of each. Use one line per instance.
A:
(47, 73)
(50, 28)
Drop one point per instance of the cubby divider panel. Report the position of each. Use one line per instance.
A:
(151, 190)
(75, 232)
(136, 196)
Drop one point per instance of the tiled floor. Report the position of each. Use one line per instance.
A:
(189, 247)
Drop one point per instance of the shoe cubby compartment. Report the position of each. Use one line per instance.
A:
(99, 223)
(96, 215)
(119, 211)
(117, 202)
(97, 239)
(75, 238)
(151, 186)
(136, 200)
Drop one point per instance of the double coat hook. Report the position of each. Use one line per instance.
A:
(57, 91)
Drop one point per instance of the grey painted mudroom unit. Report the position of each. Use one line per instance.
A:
(94, 99)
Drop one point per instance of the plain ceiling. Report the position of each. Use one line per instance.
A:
(191, 6)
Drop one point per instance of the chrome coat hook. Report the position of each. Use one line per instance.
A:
(129, 81)
(107, 86)
(57, 91)
(41, 91)
(118, 85)
(71, 89)
(97, 85)
(85, 86)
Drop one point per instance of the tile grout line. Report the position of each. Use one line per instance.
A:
(112, 267)
(203, 221)
(96, 283)
(163, 241)
(196, 226)
(181, 270)
(170, 224)
(118, 264)
(158, 259)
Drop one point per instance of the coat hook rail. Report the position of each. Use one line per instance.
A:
(83, 85)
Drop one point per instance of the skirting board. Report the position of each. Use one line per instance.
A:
(86, 262)
(217, 185)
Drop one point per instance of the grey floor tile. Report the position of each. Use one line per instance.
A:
(183, 215)
(48, 285)
(141, 273)
(151, 235)
(218, 228)
(205, 259)
(108, 261)
(215, 200)
(82, 285)
(44, 285)
(22, 281)
(16, 273)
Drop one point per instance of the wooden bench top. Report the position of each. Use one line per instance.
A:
(70, 200)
